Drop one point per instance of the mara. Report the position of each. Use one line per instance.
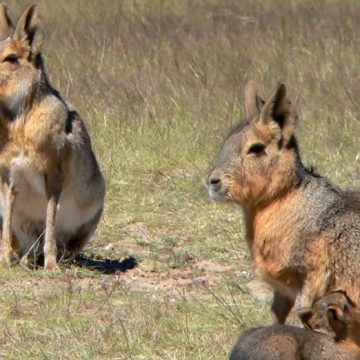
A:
(51, 188)
(303, 232)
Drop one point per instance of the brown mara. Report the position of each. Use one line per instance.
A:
(51, 188)
(334, 335)
(303, 232)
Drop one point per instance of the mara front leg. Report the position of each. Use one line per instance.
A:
(6, 240)
(281, 307)
(53, 190)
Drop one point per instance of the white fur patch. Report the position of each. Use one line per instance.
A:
(15, 102)
(21, 171)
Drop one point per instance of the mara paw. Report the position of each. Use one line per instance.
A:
(51, 265)
(5, 261)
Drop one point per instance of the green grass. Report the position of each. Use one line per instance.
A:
(160, 83)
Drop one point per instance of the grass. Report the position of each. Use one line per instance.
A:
(160, 83)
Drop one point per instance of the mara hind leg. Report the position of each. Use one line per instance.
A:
(82, 236)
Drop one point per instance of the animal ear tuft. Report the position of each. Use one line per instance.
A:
(253, 102)
(29, 30)
(6, 25)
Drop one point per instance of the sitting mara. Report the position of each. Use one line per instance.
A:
(51, 188)
(303, 232)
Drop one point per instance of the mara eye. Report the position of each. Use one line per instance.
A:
(12, 58)
(257, 148)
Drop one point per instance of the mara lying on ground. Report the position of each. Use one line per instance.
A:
(303, 232)
(51, 188)
(337, 316)
(334, 334)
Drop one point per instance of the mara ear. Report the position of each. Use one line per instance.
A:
(6, 25)
(336, 313)
(253, 102)
(305, 315)
(29, 30)
(278, 110)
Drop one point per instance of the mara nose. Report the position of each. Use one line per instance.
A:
(215, 182)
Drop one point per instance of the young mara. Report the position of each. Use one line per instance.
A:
(337, 316)
(333, 333)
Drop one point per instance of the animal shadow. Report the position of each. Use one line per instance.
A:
(103, 265)
(106, 266)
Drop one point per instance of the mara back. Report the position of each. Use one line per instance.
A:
(303, 232)
(283, 342)
(51, 188)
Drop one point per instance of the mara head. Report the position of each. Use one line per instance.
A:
(334, 314)
(20, 58)
(259, 159)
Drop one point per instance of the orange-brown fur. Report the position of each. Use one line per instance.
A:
(51, 188)
(303, 232)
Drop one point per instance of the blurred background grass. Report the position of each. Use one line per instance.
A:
(160, 83)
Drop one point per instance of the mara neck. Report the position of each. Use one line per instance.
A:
(274, 211)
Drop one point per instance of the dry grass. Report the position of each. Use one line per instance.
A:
(160, 82)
